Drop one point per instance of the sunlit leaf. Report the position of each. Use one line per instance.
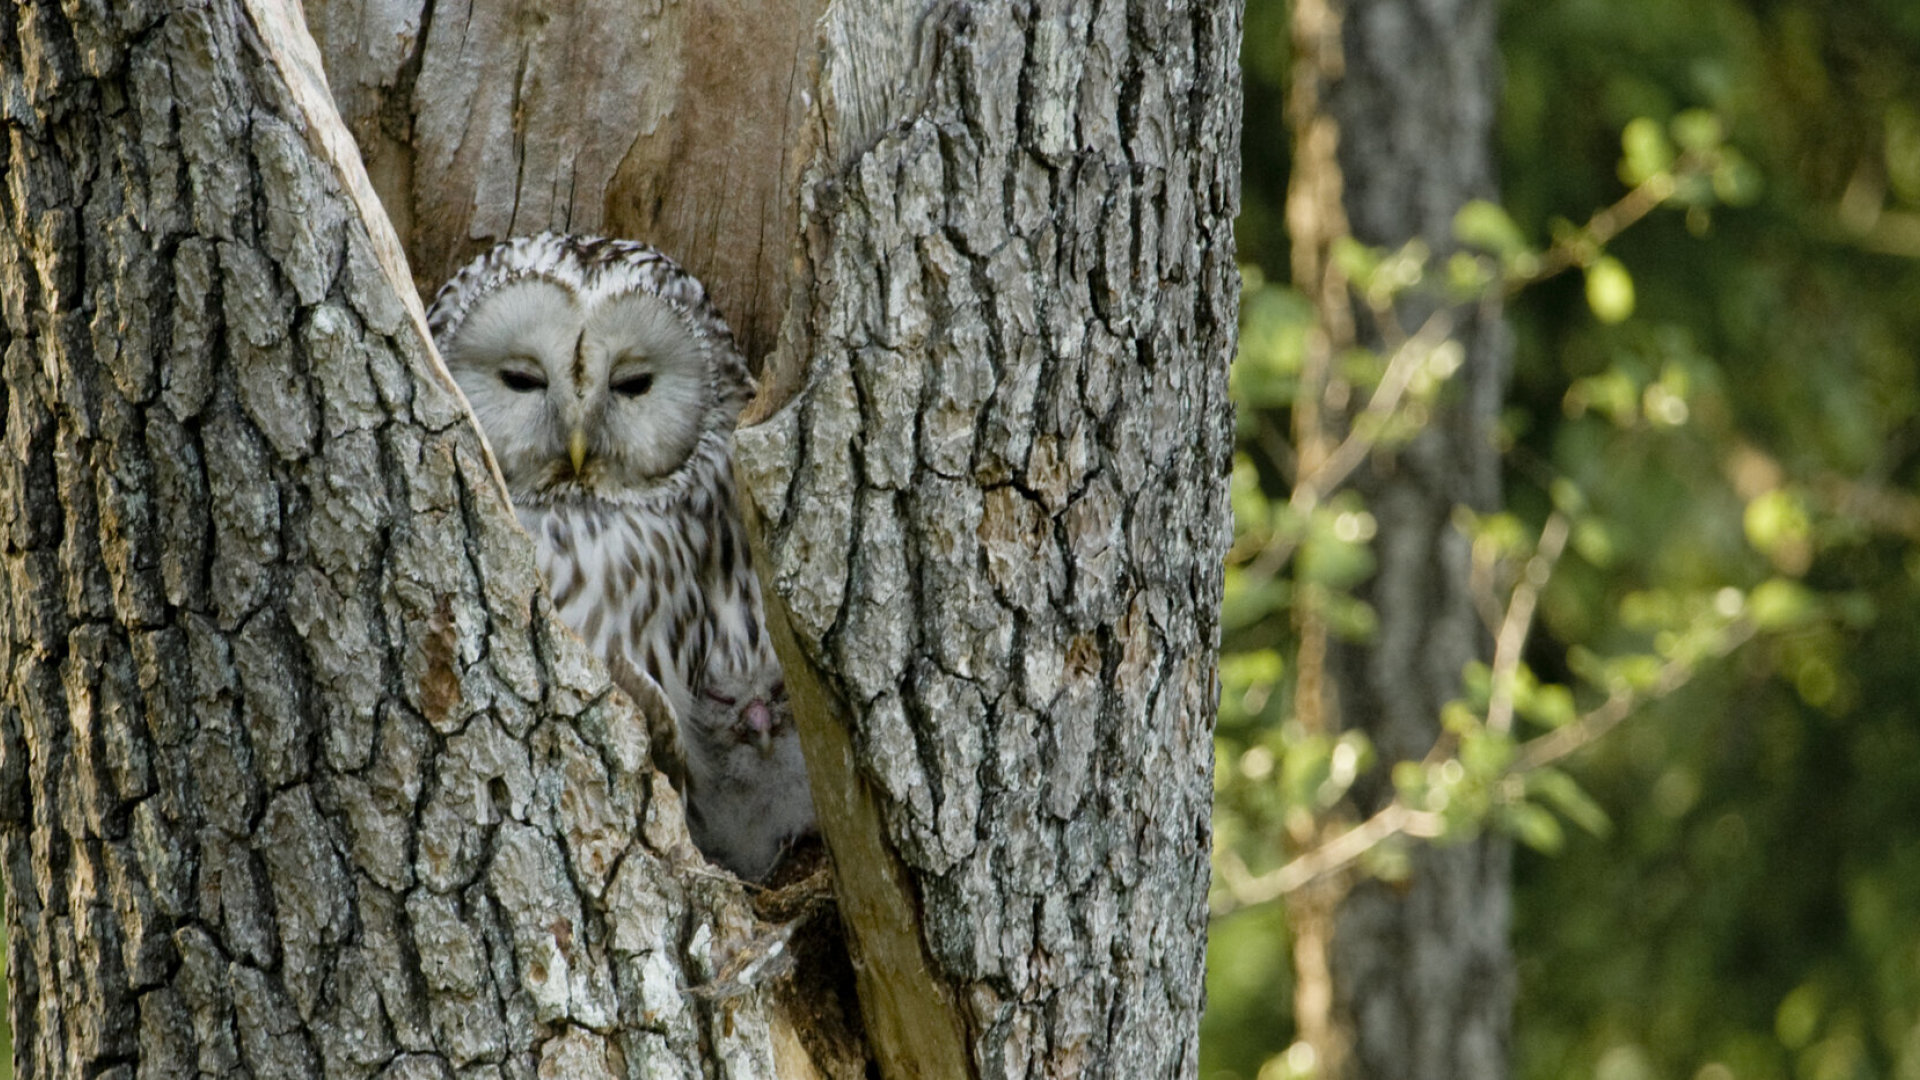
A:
(1534, 826)
(1357, 261)
(1736, 181)
(1609, 290)
(1779, 604)
(1647, 151)
(1698, 130)
(1488, 226)
(1564, 794)
(1778, 525)
(1550, 706)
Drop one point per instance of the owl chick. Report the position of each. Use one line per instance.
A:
(747, 783)
(608, 388)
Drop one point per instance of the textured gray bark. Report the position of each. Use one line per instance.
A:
(298, 776)
(1422, 970)
(995, 516)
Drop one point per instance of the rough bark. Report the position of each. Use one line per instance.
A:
(1422, 971)
(995, 515)
(298, 775)
(993, 260)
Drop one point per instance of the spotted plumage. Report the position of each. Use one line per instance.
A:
(608, 388)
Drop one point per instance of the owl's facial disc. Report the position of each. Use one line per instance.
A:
(593, 388)
(511, 357)
(650, 387)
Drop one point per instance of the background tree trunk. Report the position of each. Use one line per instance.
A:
(298, 774)
(1421, 974)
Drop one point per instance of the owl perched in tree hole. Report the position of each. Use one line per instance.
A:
(609, 387)
(740, 734)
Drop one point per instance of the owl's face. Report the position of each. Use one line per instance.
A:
(744, 708)
(586, 375)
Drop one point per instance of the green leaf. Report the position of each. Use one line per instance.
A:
(1550, 706)
(1468, 276)
(1356, 260)
(1564, 794)
(1389, 861)
(1534, 827)
(1777, 524)
(1613, 393)
(1487, 225)
(1249, 600)
(1305, 767)
(1647, 151)
(1239, 670)
(1410, 782)
(1609, 290)
(1486, 753)
(1698, 130)
(1593, 541)
(1638, 671)
(1779, 604)
(1736, 181)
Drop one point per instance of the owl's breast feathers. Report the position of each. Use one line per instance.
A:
(656, 581)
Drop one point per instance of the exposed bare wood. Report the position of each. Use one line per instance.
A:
(676, 122)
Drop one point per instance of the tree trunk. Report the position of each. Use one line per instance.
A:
(995, 517)
(298, 776)
(1421, 972)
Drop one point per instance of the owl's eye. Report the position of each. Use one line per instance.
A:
(633, 385)
(522, 381)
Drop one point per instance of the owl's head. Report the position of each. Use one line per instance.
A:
(595, 367)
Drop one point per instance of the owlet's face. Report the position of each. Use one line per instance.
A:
(582, 390)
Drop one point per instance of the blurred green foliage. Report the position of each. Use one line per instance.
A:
(1722, 402)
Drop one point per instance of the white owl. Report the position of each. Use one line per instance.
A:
(609, 387)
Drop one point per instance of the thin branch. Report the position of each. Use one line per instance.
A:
(1519, 621)
(1406, 360)
(1398, 819)
(1336, 854)
(1602, 227)
(1314, 486)
(1556, 744)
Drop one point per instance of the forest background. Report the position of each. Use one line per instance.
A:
(1722, 405)
(1725, 401)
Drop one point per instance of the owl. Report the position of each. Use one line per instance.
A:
(608, 387)
(751, 799)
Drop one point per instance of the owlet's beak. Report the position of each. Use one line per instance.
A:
(577, 449)
(760, 722)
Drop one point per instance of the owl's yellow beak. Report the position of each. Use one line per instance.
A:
(577, 449)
